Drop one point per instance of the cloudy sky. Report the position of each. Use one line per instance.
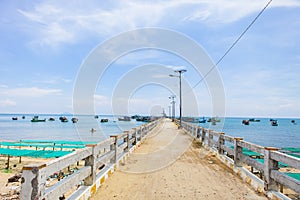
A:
(44, 45)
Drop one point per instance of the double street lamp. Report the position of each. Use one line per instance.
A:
(180, 72)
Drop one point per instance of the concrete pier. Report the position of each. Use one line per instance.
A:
(170, 164)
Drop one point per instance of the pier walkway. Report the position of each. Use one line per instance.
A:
(170, 164)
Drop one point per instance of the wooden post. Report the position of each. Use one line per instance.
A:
(33, 181)
(114, 147)
(237, 151)
(221, 142)
(270, 165)
(91, 161)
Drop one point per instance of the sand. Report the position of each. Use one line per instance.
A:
(170, 165)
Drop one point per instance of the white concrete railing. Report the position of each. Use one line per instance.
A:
(270, 176)
(97, 158)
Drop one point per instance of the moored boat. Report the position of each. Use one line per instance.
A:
(36, 119)
(203, 120)
(103, 120)
(74, 120)
(274, 123)
(125, 118)
(246, 122)
(14, 118)
(63, 119)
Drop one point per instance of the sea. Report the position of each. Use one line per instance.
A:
(286, 134)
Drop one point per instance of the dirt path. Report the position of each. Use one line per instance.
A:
(169, 165)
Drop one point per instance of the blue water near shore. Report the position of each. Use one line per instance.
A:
(24, 129)
(286, 134)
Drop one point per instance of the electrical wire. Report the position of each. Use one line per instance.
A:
(231, 47)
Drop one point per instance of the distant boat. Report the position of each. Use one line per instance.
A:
(63, 119)
(271, 120)
(254, 120)
(103, 120)
(14, 118)
(36, 119)
(293, 122)
(74, 120)
(51, 119)
(96, 116)
(245, 122)
(203, 120)
(23, 117)
(274, 123)
(213, 123)
(125, 118)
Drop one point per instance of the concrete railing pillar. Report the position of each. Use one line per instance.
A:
(91, 161)
(221, 142)
(33, 181)
(270, 165)
(114, 147)
(198, 132)
(203, 134)
(127, 140)
(210, 138)
(238, 150)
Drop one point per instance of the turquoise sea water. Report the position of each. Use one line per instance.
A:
(286, 134)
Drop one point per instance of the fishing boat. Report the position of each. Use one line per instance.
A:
(246, 122)
(274, 123)
(51, 119)
(36, 119)
(63, 119)
(74, 120)
(125, 118)
(203, 120)
(103, 120)
(14, 118)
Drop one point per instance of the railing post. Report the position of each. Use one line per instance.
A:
(114, 147)
(33, 181)
(203, 134)
(238, 150)
(134, 135)
(198, 132)
(91, 161)
(210, 138)
(221, 142)
(270, 165)
(126, 139)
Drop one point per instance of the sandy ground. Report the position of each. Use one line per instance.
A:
(169, 165)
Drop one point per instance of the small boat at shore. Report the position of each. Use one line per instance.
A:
(36, 119)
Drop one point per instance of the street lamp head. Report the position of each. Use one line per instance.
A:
(180, 71)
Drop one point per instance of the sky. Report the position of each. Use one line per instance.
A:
(45, 46)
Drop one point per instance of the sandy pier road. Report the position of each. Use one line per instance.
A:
(194, 174)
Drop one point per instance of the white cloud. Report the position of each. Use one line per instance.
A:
(7, 102)
(64, 23)
(29, 92)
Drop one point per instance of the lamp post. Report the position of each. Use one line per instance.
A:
(173, 106)
(180, 72)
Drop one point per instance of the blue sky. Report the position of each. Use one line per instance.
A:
(44, 43)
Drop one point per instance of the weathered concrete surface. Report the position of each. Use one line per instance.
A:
(169, 165)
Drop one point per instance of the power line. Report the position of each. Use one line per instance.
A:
(231, 47)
